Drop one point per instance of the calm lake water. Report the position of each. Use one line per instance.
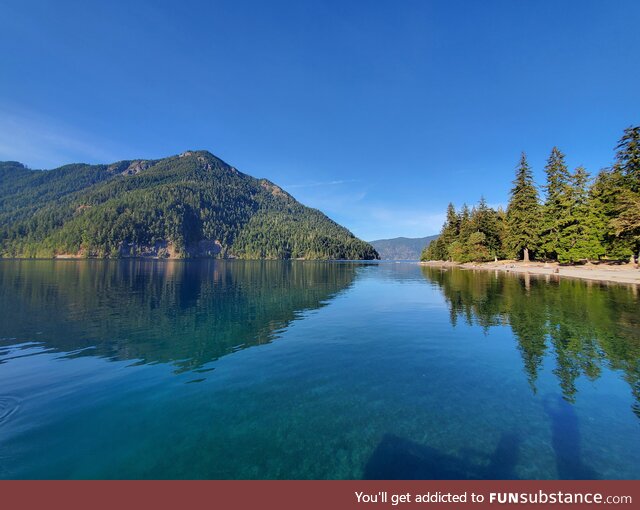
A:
(229, 369)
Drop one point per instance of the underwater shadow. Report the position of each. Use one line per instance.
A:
(565, 438)
(396, 458)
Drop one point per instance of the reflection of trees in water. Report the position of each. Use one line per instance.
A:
(585, 324)
(188, 313)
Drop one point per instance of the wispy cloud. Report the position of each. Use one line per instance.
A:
(319, 184)
(43, 142)
(368, 217)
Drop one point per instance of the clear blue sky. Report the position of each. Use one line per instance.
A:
(377, 113)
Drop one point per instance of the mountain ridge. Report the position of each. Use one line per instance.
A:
(188, 205)
(401, 248)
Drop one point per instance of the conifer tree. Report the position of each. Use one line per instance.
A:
(628, 158)
(598, 220)
(449, 234)
(523, 212)
(466, 227)
(503, 233)
(580, 239)
(434, 251)
(460, 249)
(626, 218)
(576, 222)
(555, 210)
(485, 220)
(603, 198)
(451, 228)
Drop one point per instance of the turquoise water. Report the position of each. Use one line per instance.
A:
(230, 369)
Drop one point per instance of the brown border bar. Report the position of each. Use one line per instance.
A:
(290, 495)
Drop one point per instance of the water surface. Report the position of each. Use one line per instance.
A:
(231, 369)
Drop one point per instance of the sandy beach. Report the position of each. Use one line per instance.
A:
(603, 272)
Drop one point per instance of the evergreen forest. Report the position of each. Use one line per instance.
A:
(185, 206)
(571, 218)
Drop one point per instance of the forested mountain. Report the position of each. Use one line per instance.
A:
(401, 248)
(578, 219)
(191, 205)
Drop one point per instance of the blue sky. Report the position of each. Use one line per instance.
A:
(377, 113)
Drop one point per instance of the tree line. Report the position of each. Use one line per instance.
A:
(578, 219)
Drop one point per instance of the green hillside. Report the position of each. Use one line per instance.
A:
(191, 205)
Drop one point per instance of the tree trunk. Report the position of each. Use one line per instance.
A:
(525, 255)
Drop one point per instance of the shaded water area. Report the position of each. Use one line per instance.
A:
(233, 369)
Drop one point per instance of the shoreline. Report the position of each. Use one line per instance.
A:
(609, 273)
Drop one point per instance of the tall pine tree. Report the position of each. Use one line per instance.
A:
(628, 158)
(555, 210)
(458, 248)
(450, 232)
(580, 238)
(485, 220)
(626, 218)
(523, 213)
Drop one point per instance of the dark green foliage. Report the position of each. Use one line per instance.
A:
(569, 231)
(603, 204)
(434, 251)
(488, 222)
(628, 158)
(523, 213)
(451, 228)
(183, 206)
(615, 199)
(579, 220)
(471, 235)
(580, 237)
(556, 207)
(625, 221)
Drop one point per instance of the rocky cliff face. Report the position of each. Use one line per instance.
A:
(204, 248)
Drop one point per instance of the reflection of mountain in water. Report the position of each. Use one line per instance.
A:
(188, 313)
(585, 325)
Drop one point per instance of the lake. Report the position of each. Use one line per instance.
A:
(270, 369)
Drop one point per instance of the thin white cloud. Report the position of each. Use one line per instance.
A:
(338, 202)
(43, 142)
(370, 219)
(318, 184)
(374, 220)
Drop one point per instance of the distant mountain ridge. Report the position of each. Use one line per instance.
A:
(188, 205)
(401, 248)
